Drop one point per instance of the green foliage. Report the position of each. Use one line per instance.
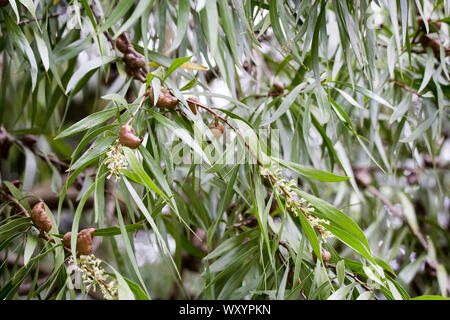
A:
(335, 114)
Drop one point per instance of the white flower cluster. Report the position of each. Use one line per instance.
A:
(293, 202)
(324, 232)
(93, 274)
(116, 160)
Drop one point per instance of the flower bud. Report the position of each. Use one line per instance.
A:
(217, 129)
(326, 255)
(84, 241)
(40, 218)
(128, 138)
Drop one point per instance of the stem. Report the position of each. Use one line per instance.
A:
(136, 111)
(355, 277)
(52, 15)
(16, 202)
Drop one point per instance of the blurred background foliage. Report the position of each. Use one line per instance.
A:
(359, 91)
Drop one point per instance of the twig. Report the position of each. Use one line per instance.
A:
(16, 202)
(137, 110)
(355, 277)
(401, 85)
(396, 213)
(242, 223)
(97, 18)
(290, 272)
(327, 265)
(52, 15)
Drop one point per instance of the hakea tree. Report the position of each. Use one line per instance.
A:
(222, 137)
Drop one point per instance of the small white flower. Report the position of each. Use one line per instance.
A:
(93, 275)
(116, 161)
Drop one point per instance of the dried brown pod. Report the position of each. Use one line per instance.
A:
(326, 255)
(131, 70)
(277, 89)
(217, 129)
(40, 218)
(139, 60)
(435, 45)
(433, 26)
(66, 239)
(84, 241)
(122, 43)
(134, 59)
(129, 59)
(165, 100)
(193, 104)
(128, 138)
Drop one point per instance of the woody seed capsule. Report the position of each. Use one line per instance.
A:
(165, 100)
(122, 43)
(40, 218)
(128, 138)
(217, 129)
(326, 255)
(84, 241)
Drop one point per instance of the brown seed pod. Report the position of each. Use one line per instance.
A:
(134, 58)
(128, 138)
(129, 59)
(139, 61)
(277, 89)
(84, 241)
(131, 70)
(217, 129)
(40, 218)
(122, 43)
(326, 255)
(433, 25)
(193, 104)
(165, 100)
(66, 239)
